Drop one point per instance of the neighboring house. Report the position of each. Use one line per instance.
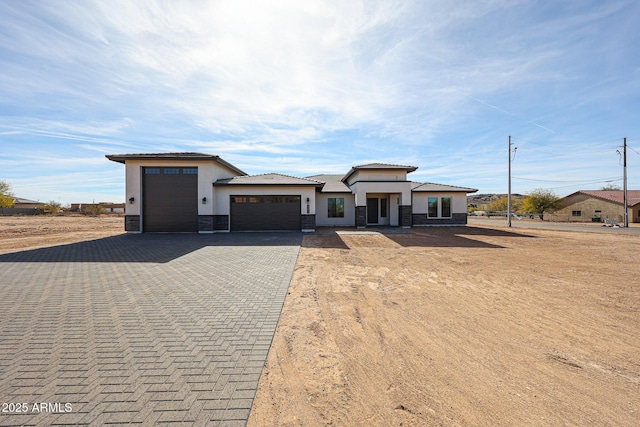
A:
(26, 203)
(107, 206)
(199, 192)
(599, 205)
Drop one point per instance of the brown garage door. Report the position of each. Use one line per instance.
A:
(256, 213)
(170, 199)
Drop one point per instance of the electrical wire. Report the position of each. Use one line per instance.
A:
(615, 178)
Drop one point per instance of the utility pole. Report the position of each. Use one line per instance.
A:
(624, 183)
(509, 196)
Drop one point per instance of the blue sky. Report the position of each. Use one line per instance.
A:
(306, 87)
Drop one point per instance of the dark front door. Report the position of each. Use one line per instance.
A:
(372, 210)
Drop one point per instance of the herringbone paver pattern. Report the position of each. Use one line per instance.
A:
(142, 329)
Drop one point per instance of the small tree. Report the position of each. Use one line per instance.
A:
(611, 187)
(94, 210)
(52, 207)
(539, 201)
(502, 204)
(497, 205)
(7, 199)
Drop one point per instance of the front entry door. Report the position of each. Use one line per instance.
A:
(372, 210)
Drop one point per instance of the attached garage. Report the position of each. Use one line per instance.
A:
(170, 199)
(260, 212)
(269, 202)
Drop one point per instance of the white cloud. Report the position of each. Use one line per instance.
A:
(317, 86)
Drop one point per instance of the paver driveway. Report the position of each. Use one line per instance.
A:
(140, 329)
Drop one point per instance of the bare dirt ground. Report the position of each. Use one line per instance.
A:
(28, 232)
(465, 326)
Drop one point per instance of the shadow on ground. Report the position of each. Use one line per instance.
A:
(153, 248)
(431, 237)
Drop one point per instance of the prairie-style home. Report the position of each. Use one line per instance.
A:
(194, 192)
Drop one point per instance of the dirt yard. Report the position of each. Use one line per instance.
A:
(28, 232)
(458, 327)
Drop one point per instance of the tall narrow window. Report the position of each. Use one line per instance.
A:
(446, 207)
(432, 209)
(335, 207)
(383, 208)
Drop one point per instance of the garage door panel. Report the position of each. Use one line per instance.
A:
(254, 213)
(170, 200)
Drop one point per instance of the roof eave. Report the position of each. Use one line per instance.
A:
(122, 158)
(353, 170)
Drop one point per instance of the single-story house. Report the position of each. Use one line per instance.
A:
(194, 192)
(20, 203)
(599, 205)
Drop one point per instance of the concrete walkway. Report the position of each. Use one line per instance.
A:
(140, 329)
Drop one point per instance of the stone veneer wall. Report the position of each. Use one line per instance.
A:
(456, 219)
(212, 223)
(132, 223)
(361, 216)
(205, 223)
(308, 222)
(405, 215)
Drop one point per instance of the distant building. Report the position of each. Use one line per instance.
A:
(107, 206)
(26, 203)
(599, 205)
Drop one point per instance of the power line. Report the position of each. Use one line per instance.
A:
(580, 145)
(592, 182)
(615, 178)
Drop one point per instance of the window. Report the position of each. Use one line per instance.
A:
(256, 199)
(292, 199)
(446, 207)
(336, 207)
(275, 199)
(152, 171)
(236, 199)
(383, 208)
(190, 171)
(432, 207)
(576, 213)
(171, 171)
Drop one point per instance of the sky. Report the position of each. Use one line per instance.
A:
(310, 87)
